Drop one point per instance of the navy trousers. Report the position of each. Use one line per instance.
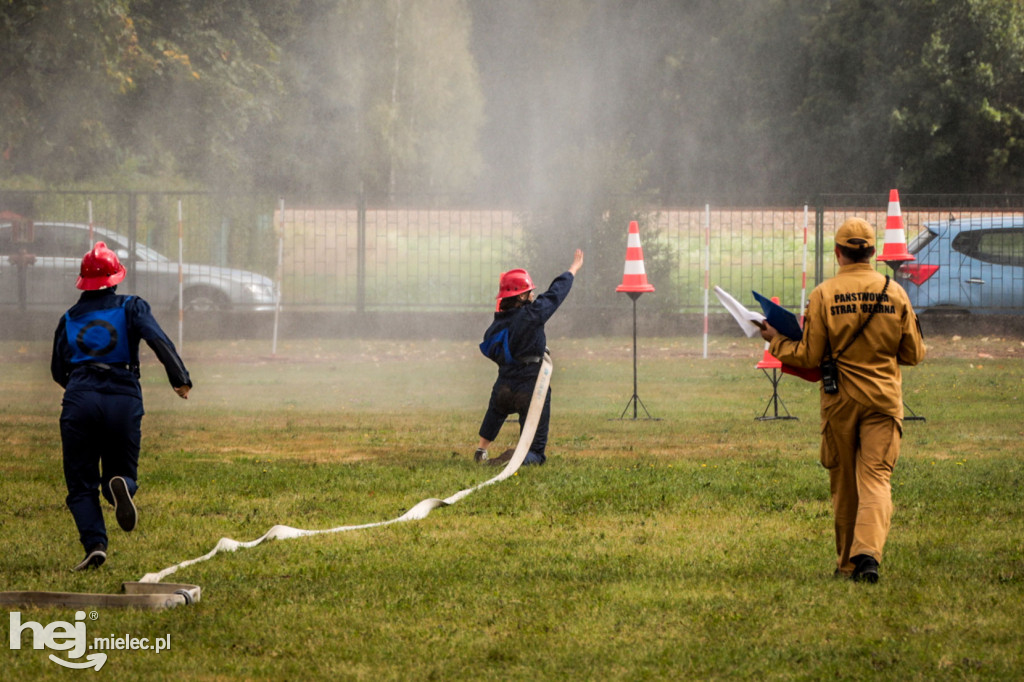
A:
(101, 434)
(514, 398)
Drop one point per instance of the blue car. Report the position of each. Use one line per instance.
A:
(974, 265)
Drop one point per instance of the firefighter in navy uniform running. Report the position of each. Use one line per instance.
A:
(96, 360)
(865, 323)
(517, 343)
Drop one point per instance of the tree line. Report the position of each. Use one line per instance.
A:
(556, 105)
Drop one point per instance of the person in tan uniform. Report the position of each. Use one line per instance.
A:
(862, 421)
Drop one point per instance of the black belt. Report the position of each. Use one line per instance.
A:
(106, 366)
(530, 360)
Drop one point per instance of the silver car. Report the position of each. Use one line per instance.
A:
(40, 275)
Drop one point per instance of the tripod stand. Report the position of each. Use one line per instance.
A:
(635, 399)
(913, 415)
(775, 377)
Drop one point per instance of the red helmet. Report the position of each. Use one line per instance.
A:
(513, 283)
(100, 269)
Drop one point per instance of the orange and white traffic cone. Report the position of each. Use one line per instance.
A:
(769, 361)
(634, 277)
(895, 248)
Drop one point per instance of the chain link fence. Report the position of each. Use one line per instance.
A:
(402, 256)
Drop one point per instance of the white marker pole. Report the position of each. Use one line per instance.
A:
(181, 281)
(280, 261)
(90, 223)
(707, 271)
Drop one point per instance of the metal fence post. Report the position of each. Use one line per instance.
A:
(133, 232)
(361, 252)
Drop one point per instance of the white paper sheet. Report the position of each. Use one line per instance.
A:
(744, 318)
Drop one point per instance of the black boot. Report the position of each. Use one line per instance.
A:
(94, 558)
(866, 568)
(124, 507)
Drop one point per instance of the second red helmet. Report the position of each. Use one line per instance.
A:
(513, 283)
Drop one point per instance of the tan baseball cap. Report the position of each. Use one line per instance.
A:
(855, 233)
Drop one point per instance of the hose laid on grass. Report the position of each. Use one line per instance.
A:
(150, 593)
(136, 595)
(419, 511)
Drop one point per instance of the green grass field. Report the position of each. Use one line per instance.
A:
(697, 546)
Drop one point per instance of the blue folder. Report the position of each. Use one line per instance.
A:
(780, 318)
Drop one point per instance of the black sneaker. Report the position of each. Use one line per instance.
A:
(502, 459)
(480, 456)
(94, 558)
(867, 568)
(124, 509)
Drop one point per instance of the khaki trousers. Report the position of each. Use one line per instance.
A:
(859, 447)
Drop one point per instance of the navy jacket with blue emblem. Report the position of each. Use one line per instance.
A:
(96, 345)
(516, 339)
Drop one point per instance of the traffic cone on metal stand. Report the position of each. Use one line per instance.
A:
(770, 362)
(634, 283)
(895, 252)
(634, 277)
(895, 248)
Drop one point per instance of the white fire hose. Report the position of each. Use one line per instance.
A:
(150, 593)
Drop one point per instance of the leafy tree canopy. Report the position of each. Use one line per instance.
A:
(709, 98)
